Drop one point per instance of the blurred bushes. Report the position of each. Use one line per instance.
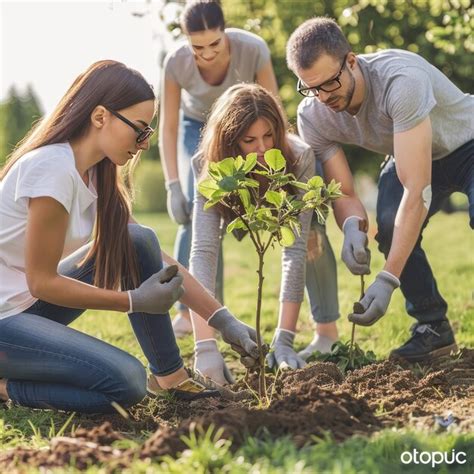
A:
(150, 193)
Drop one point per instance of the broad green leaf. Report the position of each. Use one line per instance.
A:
(236, 224)
(210, 204)
(226, 166)
(245, 198)
(207, 187)
(310, 195)
(239, 161)
(274, 198)
(274, 159)
(251, 183)
(299, 184)
(287, 237)
(250, 162)
(229, 183)
(316, 182)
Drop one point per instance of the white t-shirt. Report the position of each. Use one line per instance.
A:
(47, 171)
(248, 55)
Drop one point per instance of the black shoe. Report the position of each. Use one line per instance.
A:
(428, 341)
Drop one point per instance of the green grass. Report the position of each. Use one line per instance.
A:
(448, 242)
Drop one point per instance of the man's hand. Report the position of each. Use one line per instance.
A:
(284, 356)
(176, 203)
(376, 299)
(208, 361)
(240, 336)
(355, 253)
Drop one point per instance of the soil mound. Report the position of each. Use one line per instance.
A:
(305, 404)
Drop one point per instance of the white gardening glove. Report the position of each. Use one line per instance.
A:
(376, 299)
(177, 204)
(355, 253)
(157, 294)
(320, 344)
(208, 362)
(284, 356)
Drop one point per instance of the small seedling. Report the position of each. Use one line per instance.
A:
(263, 200)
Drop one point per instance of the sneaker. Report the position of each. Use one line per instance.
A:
(428, 341)
(182, 326)
(322, 344)
(188, 390)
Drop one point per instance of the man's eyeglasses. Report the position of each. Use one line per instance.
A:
(142, 134)
(328, 86)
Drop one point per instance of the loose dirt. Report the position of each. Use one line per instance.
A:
(305, 404)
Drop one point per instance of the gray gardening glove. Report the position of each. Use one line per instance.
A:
(376, 299)
(284, 356)
(176, 203)
(240, 336)
(355, 253)
(208, 362)
(157, 294)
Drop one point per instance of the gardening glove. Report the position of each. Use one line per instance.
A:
(240, 336)
(355, 253)
(320, 343)
(208, 362)
(376, 299)
(284, 356)
(157, 294)
(178, 207)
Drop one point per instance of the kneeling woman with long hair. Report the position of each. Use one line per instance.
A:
(247, 119)
(60, 188)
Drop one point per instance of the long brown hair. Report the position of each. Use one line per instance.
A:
(232, 114)
(115, 86)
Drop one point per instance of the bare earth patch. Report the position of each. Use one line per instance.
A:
(305, 403)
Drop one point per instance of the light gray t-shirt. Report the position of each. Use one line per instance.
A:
(209, 228)
(248, 54)
(402, 89)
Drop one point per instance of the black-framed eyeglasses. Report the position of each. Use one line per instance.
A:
(142, 133)
(328, 86)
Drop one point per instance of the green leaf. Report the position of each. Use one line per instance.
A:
(310, 195)
(316, 182)
(250, 162)
(207, 187)
(287, 237)
(229, 184)
(227, 167)
(274, 198)
(239, 162)
(299, 184)
(245, 198)
(210, 204)
(236, 224)
(274, 159)
(251, 183)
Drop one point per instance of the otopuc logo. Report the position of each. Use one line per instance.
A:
(433, 457)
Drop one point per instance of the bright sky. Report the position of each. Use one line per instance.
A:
(48, 44)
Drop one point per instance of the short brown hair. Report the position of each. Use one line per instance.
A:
(313, 38)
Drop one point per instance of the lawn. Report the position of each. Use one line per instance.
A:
(448, 241)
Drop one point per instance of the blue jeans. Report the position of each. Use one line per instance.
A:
(453, 173)
(321, 276)
(49, 365)
(188, 143)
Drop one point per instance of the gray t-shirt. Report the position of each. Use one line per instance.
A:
(402, 89)
(248, 54)
(209, 228)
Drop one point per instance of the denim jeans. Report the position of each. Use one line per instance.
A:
(188, 142)
(321, 276)
(454, 173)
(49, 365)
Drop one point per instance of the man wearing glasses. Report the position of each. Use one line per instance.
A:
(395, 103)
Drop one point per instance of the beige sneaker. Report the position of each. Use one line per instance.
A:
(189, 389)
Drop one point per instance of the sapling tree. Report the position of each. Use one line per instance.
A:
(265, 204)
